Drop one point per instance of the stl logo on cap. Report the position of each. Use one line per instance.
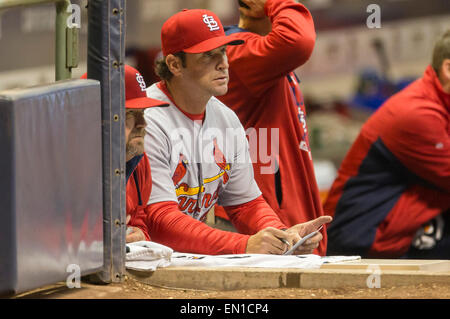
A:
(140, 80)
(211, 23)
(194, 31)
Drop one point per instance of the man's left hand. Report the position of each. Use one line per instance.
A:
(134, 235)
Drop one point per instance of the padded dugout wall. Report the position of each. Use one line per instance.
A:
(51, 202)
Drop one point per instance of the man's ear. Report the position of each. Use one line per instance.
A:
(174, 64)
(444, 75)
(445, 69)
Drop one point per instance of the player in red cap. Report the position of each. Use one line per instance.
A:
(392, 194)
(138, 175)
(195, 162)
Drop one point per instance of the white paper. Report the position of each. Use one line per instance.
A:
(148, 256)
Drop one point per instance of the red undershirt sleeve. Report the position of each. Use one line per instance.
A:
(251, 217)
(138, 220)
(170, 227)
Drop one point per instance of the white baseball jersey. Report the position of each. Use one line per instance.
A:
(194, 163)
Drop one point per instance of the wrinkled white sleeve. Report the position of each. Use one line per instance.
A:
(157, 147)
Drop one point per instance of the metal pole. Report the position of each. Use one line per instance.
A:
(62, 69)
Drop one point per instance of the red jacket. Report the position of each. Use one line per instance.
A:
(396, 176)
(265, 94)
(139, 187)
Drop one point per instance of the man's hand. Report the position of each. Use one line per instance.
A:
(268, 241)
(135, 234)
(256, 8)
(301, 230)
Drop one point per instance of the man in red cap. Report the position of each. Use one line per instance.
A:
(199, 152)
(138, 175)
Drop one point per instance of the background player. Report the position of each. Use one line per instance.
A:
(138, 175)
(265, 94)
(392, 194)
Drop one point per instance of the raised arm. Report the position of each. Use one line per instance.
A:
(265, 59)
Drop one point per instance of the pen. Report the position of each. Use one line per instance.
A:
(301, 241)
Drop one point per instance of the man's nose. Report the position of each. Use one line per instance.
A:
(140, 121)
(223, 63)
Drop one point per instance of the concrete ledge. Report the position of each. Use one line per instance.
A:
(393, 264)
(328, 278)
(216, 278)
(362, 274)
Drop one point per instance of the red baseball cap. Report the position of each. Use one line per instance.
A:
(194, 31)
(135, 94)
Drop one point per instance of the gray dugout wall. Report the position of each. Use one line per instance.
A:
(50, 184)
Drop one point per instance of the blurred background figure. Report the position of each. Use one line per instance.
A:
(265, 94)
(392, 195)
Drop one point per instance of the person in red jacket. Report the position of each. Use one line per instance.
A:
(199, 153)
(264, 92)
(138, 174)
(392, 194)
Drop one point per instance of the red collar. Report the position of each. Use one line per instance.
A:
(194, 117)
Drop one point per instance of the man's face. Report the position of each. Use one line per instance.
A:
(134, 132)
(207, 71)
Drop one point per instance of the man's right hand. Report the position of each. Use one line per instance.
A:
(267, 241)
(304, 229)
(256, 8)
